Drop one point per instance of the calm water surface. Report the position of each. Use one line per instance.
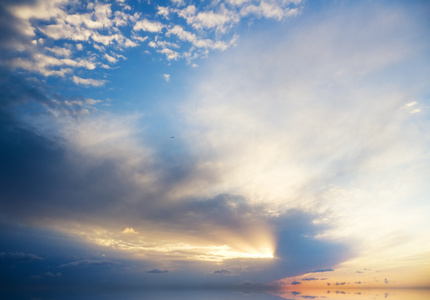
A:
(362, 294)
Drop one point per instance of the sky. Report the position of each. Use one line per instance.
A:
(217, 143)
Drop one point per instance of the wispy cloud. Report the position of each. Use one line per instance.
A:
(19, 257)
(88, 81)
(157, 271)
(87, 262)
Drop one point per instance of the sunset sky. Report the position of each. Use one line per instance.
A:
(215, 143)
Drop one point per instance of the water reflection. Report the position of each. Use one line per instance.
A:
(359, 294)
(177, 294)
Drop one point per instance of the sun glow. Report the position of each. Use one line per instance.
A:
(225, 252)
(212, 253)
(138, 245)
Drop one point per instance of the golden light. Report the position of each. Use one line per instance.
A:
(165, 245)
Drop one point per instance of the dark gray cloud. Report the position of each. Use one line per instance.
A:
(322, 270)
(47, 274)
(10, 35)
(156, 271)
(223, 271)
(19, 257)
(88, 262)
(309, 255)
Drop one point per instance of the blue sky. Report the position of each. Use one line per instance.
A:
(214, 142)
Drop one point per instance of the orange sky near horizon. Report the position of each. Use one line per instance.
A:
(348, 276)
(350, 294)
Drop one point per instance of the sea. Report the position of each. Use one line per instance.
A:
(213, 294)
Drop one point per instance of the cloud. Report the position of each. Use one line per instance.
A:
(166, 77)
(156, 271)
(102, 27)
(60, 51)
(147, 25)
(170, 54)
(323, 270)
(19, 257)
(110, 58)
(88, 81)
(223, 272)
(221, 20)
(88, 262)
(196, 222)
(265, 9)
(129, 230)
(295, 283)
(47, 275)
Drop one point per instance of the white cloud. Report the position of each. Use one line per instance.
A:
(162, 44)
(100, 28)
(182, 34)
(416, 110)
(237, 2)
(60, 51)
(147, 25)
(99, 48)
(43, 64)
(178, 2)
(139, 38)
(65, 31)
(89, 101)
(221, 19)
(268, 10)
(108, 39)
(88, 81)
(163, 11)
(107, 30)
(199, 43)
(110, 58)
(40, 9)
(166, 77)
(170, 54)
